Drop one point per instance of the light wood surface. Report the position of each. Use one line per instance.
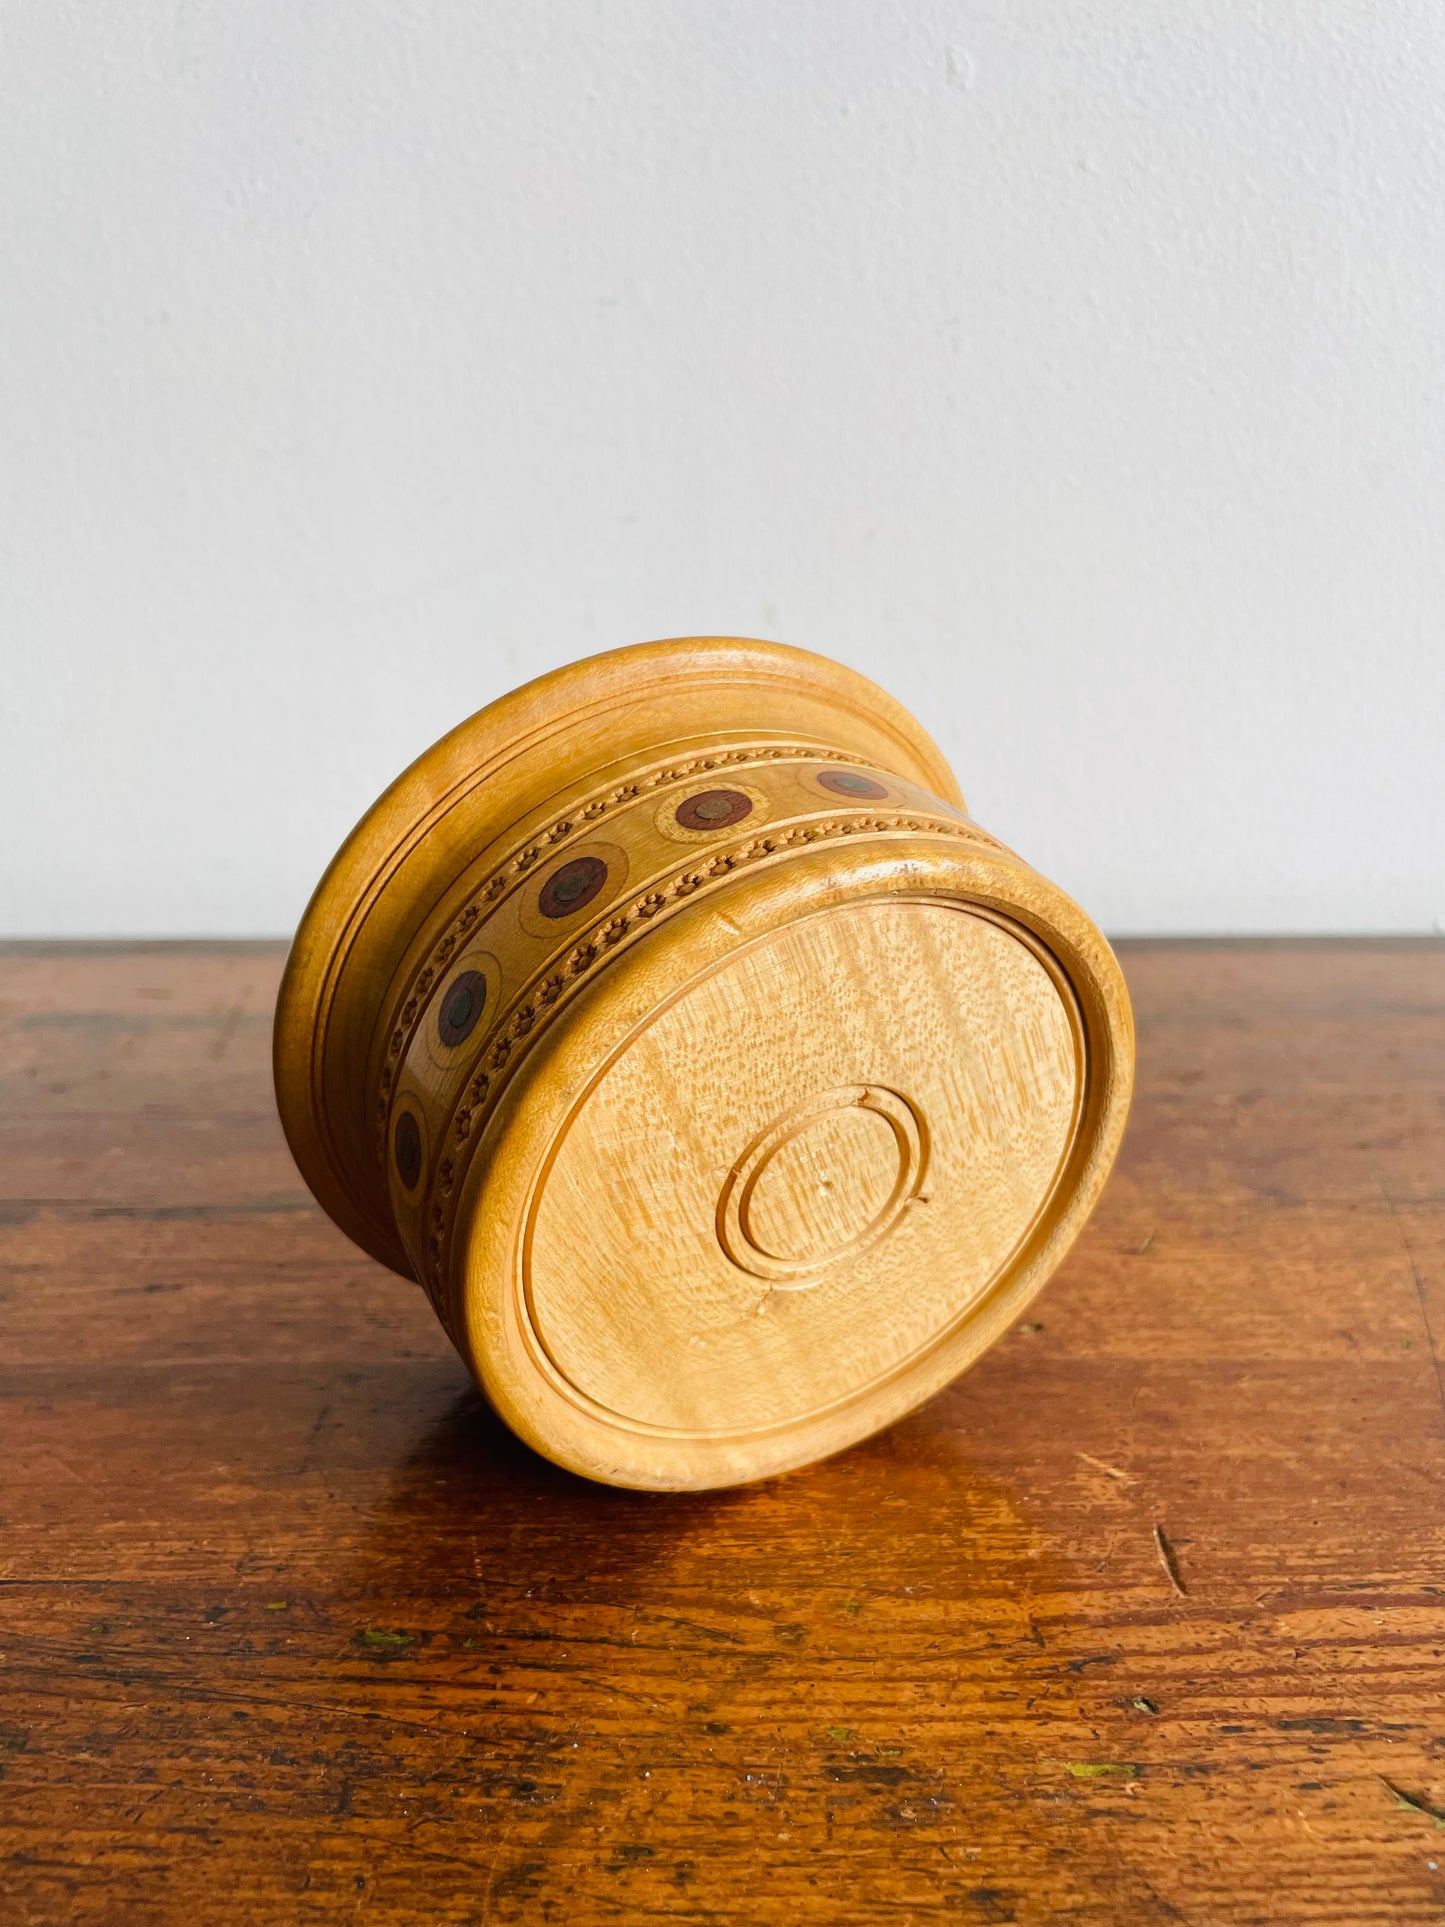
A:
(292, 1629)
(734, 1268)
(727, 1088)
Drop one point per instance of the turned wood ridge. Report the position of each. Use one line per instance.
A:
(725, 1086)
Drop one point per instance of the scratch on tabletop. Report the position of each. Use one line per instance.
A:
(1394, 1211)
(1168, 1561)
(1110, 1471)
(1413, 1802)
(227, 1033)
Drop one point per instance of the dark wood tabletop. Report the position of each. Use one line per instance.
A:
(1143, 1621)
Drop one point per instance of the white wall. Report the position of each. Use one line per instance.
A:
(1075, 368)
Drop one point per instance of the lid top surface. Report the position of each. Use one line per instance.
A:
(803, 1170)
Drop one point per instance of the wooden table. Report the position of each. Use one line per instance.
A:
(293, 1630)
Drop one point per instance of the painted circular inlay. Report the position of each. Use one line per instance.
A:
(828, 1178)
(713, 810)
(572, 887)
(462, 1008)
(406, 1149)
(851, 782)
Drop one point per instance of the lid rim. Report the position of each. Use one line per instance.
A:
(518, 723)
(969, 878)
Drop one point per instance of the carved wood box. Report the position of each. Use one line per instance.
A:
(725, 1086)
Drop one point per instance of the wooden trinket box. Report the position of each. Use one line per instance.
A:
(725, 1086)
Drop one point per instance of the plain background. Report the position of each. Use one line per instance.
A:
(1075, 369)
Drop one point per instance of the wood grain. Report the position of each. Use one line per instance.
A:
(633, 1289)
(292, 1629)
